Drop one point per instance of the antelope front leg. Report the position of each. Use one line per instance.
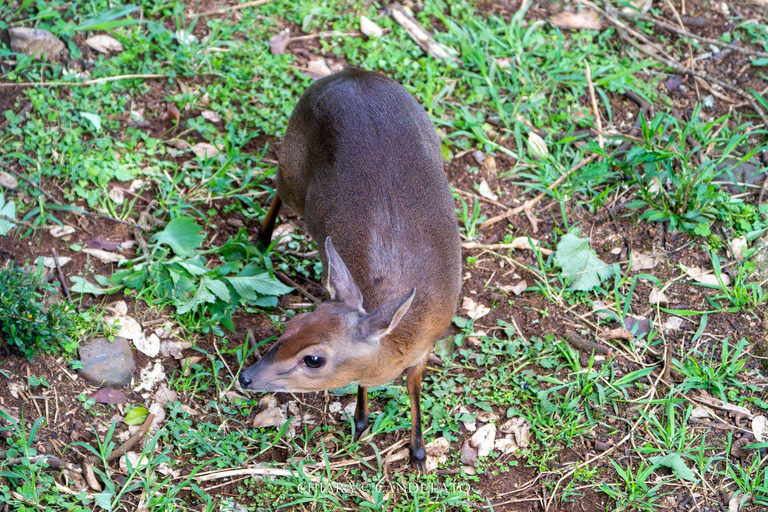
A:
(361, 411)
(413, 382)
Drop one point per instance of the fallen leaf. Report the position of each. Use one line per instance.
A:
(705, 276)
(658, 297)
(136, 416)
(521, 428)
(485, 191)
(137, 461)
(584, 20)
(272, 417)
(474, 309)
(484, 438)
(211, 116)
(437, 452)
(318, 68)
(159, 412)
(108, 396)
(642, 262)
(164, 395)
(60, 231)
(760, 429)
(487, 417)
(104, 44)
(174, 349)
(468, 453)
(505, 445)
(738, 245)
(278, 44)
(8, 181)
(519, 287)
(117, 195)
(677, 464)
(103, 244)
(188, 362)
(673, 323)
(104, 256)
(51, 263)
(205, 150)
(369, 28)
(702, 411)
(643, 325)
(150, 376)
(580, 263)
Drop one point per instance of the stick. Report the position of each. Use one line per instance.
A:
(419, 35)
(586, 346)
(61, 276)
(532, 202)
(682, 32)
(598, 121)
(83, 83)
(130, 443)
(225, 10)
(19, 222)
(290, 282)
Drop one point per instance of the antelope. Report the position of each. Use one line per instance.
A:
(361, 162)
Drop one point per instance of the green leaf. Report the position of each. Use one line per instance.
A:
(182, 235)
(676, 463)
(7, 210)
(108, 20)
(248, 286)
(103, 500)
(202, 295)
(760, 62)
(94, 119)
(219, 288)
(136, 416)
(83, 286)
(580, 263)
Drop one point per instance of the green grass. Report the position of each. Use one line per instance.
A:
(512, 78)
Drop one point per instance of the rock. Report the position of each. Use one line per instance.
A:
(736, 175)
(8, 181)
(437, 452)
(369, 28)
(468, 453)
(521, 428)
(107, 364)
(505, 445)
(760, 259)
(483, 439)
(33, 41)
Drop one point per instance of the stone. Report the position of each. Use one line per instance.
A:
(33, 41)
(735, 176)
(760, 259)
(107, 364)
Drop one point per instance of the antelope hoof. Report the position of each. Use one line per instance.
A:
(419, 460)
(360, 426)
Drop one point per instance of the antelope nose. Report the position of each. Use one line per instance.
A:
(244, 381)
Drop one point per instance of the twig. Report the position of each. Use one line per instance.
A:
(82, 84)
(682, 32)
(419, 35)
(130, 443)
(52, 461)
(670, 63)
(586, 346)
(501, 247)
(62, 280)
(225, 10)
(598, 121)
(290, 282)
(20, 222)
(532, 202)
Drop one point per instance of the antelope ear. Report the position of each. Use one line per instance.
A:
(384, 319)
(341, 284)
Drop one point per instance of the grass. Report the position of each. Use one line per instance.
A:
(221, 90)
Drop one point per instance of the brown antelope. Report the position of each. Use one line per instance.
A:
(361, 162)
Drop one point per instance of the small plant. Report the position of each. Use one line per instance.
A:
(26, 326)
(633, 492)
(716, 378)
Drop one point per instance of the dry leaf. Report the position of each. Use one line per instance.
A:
(738, 245)
(318, 68)
(104, 256)
(705, 276)
(104, 43)
(485, 191)
(584, 20)
(505, 445)
(60, 231)
(642, 262)
(673, 323)
(369, 28)
(760, 429)
(211, 116)
(117, 195)
(483, 439)
(205, 150)
(437, 452)
(702, 411)
(8, 181)
(468, 453)
(657, 297)
(108, 396)
(102, 243)
(278, 44)
(164, 396)
(474, 309)
(519, 287)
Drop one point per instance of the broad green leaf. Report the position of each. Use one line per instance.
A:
(6, 210)
(182, 235)
(580, 263)
(103, 500)
(136, 416)
(83, 286)
(108, 20)
(94, 119)
(219, 288)
(676, 463)
(202, 295)
(248, 287)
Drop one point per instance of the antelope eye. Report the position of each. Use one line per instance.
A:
(314, 361)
